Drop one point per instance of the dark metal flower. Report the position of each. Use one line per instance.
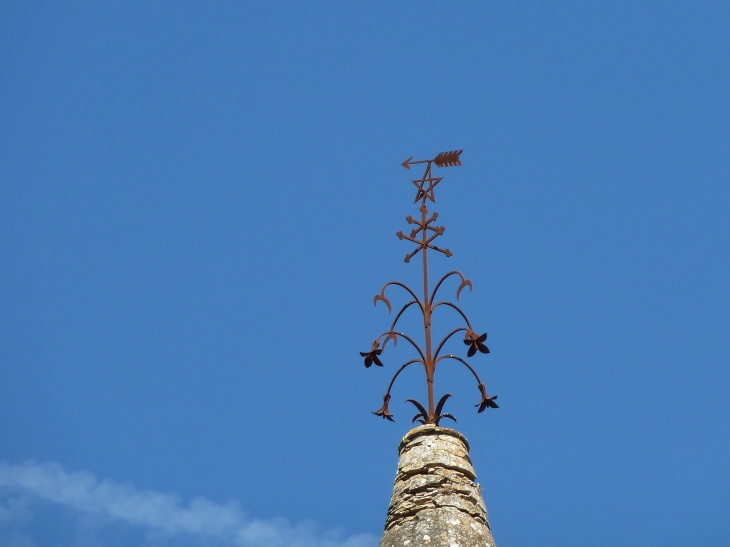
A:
(384, 409)
(486, 401)
(372, 356)
(475, 342)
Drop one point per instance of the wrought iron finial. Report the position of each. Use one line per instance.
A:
(423, 236)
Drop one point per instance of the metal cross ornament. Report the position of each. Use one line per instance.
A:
(423, 235)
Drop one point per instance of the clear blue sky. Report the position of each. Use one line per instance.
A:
(198, 202)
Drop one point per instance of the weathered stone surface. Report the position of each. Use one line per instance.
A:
(435, 501)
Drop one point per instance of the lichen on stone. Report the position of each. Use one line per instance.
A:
(435, 500)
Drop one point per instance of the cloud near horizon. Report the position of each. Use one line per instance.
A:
(90, 507)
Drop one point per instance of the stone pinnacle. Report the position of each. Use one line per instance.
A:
(435, 501)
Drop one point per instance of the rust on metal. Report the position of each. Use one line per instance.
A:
(422, 235)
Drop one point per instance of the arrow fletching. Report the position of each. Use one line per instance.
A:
(448, 159)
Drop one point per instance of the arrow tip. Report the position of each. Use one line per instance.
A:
(406, 164)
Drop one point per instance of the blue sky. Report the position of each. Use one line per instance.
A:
(198, 202)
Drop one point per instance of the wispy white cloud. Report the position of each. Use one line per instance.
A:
(30, 488)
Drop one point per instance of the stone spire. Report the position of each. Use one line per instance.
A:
(435, 501)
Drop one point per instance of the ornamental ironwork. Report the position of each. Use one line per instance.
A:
(423, 235)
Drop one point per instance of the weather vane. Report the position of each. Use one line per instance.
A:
(423, 235)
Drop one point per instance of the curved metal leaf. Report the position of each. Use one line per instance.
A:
(392, 336)
(464, 283)
(384, 299)
(441, 403)
(421, 411)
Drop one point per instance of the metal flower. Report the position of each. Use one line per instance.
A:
(475, 342)
(486, 401)
(384, 409)
(372, 356)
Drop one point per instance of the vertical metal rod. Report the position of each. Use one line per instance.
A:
(427, 307)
